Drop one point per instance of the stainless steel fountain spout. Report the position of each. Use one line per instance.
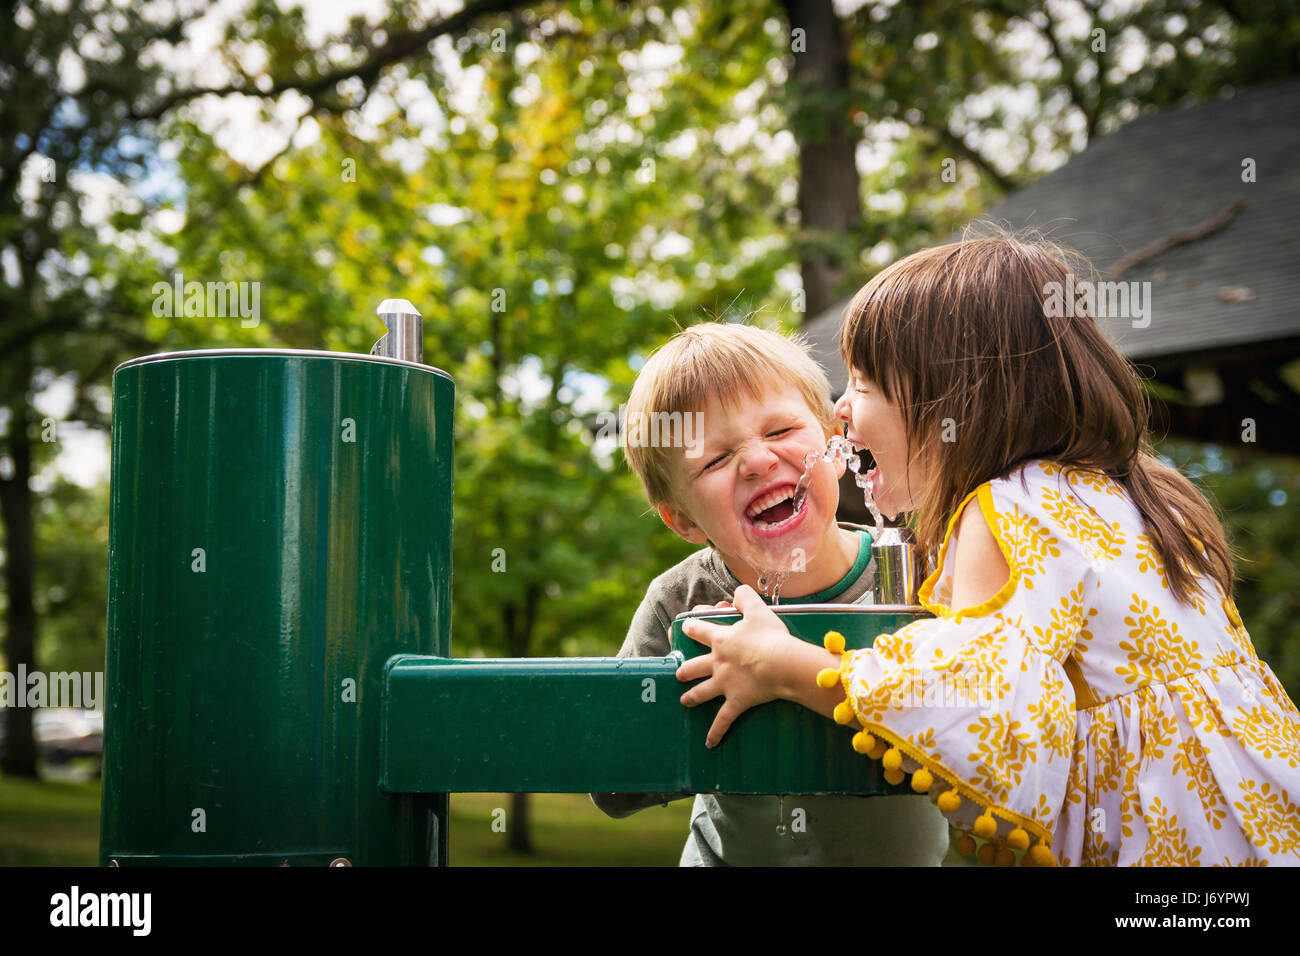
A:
(405, 336)
(900, 566)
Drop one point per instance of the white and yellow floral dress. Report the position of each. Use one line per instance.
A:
(1083, 711)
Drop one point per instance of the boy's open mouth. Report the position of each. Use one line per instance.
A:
(773, 511)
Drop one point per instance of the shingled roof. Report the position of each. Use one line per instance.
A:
(1234, 290)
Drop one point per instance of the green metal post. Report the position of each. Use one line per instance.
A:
(280, 528)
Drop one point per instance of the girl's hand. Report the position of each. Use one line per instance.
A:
(745, 665)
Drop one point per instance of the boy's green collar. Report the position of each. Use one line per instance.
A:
(839, 587)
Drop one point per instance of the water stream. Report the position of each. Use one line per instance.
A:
(839, 448)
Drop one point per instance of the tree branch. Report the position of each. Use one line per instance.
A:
(958, 145)
(1179, 238)
(1067, 74)
(396, 49)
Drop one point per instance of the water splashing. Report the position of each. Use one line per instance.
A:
(838, 448)
(770, 582)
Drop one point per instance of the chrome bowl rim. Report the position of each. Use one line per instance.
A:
(291, 353)
(781, 609)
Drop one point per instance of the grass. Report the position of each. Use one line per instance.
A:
(56, 823)
(49, 823)
(567, 830)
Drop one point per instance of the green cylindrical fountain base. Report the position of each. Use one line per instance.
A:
(280, 528)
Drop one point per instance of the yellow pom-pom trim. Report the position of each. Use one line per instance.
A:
(921, 780)
(843, 712)
(985, 826)
(834, 642)
(893, 760)
(1042, 856)
(1005, 857)
(878, 751)
(949, 801)
(987, 854)
(863, 742)
(894, 777)
(1018, 839)
(966, 845)
(827, 678)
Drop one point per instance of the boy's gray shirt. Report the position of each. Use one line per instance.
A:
(742, 830)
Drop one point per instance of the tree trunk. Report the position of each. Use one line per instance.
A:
(829, 204)
(519, 835)
(20, 616)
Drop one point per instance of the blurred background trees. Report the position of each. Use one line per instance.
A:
(557, 186)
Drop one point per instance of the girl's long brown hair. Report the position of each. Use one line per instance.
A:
(959, 337)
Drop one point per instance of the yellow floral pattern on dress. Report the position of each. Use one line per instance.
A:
(1091, 479)
(1269, 734)
(895, 647)
(981, 663)
(1031, 543)
(1158, 732)
(1148, 559)
(1191, 761)
(1156, 651)
(1003, 750)
(1054, 718)
(1101, 540)
(1270, 818)
(1129, 761)
(1121, 725)
(1205, 716)
(1167, 842)
(1069, 623)
(1237, 631)
(925, 740)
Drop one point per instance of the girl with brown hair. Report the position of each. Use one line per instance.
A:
(1111, 708)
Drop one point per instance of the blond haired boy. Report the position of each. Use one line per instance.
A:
(717, 427)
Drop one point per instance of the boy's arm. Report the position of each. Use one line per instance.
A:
(647, 636)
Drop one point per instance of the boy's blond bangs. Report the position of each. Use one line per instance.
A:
(727, 360)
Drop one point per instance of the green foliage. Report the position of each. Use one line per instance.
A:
(72, 576)
(1258, 496)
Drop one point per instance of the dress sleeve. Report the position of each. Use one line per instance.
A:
(975, 703)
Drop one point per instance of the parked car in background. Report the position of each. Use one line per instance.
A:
(62, 733)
